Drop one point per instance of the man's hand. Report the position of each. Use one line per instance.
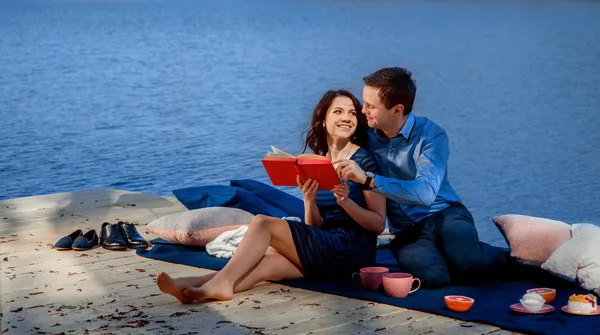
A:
(349, 169)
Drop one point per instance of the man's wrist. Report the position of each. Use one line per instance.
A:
(369, 181)
(363, 178)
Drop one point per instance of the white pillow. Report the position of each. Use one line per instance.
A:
(578, 258)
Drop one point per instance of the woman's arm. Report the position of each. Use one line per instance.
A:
(312, 216)
(371, 218)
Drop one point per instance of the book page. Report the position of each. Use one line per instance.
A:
(313, 156)
(278, 152)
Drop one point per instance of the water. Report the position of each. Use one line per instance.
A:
(157, 95)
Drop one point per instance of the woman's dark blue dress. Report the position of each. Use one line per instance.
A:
(340, 246)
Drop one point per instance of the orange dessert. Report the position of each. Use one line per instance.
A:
(547, 293)
(582, 303)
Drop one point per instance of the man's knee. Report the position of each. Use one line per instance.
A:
(460, 242)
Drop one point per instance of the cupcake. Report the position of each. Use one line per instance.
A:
(582, 303)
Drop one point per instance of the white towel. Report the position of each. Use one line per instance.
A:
(384, 238)
(225, 244)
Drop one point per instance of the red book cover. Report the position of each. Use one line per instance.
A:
(283, 168)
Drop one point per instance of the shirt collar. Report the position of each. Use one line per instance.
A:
(406, 130)
(408, 127)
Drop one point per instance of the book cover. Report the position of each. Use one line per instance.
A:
(283, 168)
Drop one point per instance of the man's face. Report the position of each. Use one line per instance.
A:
(377, 115)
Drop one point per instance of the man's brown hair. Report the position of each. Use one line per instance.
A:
(396, 87)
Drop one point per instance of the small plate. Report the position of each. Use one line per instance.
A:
(565, 309)
(519, 308)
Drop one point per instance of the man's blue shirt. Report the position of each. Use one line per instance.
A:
(414, 168)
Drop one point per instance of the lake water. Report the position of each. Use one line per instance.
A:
(157, 95)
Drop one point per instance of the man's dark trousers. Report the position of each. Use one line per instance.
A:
(444, 248)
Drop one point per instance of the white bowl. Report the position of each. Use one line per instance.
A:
(532, 305)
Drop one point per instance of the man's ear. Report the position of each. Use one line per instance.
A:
(399, 109)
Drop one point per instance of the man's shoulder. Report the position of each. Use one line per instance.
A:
(427, 128)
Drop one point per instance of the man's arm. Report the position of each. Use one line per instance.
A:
(431, 168)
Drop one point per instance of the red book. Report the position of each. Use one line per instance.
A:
(283, 168)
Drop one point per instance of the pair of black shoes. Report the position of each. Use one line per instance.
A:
(120, 236)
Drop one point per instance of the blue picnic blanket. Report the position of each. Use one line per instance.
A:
(492, 298)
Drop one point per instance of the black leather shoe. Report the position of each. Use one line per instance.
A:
(111, 237)
(132, 237)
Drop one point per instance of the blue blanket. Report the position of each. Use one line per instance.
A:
(492, 298)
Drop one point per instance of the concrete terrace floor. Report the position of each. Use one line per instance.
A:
(44, 291)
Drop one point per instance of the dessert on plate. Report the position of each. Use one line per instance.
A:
(582, 303)
(547, 293)
(532, 302)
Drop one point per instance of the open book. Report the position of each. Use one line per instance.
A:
(283, 168)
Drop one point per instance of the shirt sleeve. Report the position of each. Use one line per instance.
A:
(369, 164)
(431, 169)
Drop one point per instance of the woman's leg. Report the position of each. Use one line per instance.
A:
(175, 286)
(263, 232)
(273, 266)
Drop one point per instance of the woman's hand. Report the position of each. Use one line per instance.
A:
(341, 192)
(309, 189)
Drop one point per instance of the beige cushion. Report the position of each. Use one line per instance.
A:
(579, 258)
(200, 226)
(532, 239)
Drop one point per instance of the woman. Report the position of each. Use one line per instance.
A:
(339, 235)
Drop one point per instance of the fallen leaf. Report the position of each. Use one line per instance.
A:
(178, 314)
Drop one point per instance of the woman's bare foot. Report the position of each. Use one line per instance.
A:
(211, 290)
(173, 287)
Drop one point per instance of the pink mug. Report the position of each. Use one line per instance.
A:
(370, 277)
(399, 284)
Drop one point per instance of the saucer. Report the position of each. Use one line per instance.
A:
(566, 310)
(519, 308)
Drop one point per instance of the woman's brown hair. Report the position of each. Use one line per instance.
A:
(316, 136)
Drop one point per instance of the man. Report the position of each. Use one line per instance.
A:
(435, 235)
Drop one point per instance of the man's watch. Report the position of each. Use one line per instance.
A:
(370, 176)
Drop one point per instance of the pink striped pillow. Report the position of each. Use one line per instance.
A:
(532, 239)
(200, 226)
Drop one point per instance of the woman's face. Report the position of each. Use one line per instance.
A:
(340, 120)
